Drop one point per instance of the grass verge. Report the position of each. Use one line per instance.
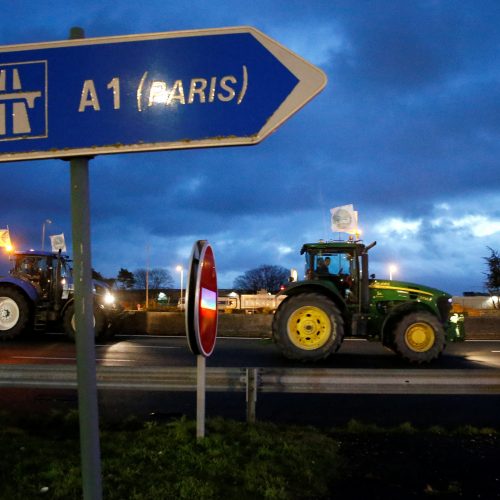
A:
(40, 459)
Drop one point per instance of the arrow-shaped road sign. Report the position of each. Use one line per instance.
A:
(205, 88)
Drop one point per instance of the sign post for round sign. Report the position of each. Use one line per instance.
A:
(201, 318)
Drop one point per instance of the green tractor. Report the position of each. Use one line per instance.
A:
(338, 299)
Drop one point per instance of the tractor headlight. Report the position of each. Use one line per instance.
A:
(109, 298)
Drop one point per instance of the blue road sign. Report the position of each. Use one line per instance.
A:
(205, 88)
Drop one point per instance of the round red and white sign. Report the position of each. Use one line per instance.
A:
(201, 300)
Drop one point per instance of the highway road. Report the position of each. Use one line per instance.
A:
(146, 350)
(317, 409)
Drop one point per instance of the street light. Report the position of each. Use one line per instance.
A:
(180, 269)
(147, 277)
(392, 269)
(46, 221)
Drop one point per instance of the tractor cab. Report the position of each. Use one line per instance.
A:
(44, 270)
(338, 264)
(343, 263)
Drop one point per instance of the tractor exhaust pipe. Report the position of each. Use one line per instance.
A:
(365, 292)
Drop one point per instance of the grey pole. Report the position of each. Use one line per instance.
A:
(200, 395)
(84, 321)
(252, 388)
(84, 324)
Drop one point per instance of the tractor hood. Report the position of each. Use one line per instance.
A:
(404, 289)
(403, 292)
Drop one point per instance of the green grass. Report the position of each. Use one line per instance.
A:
(40, 459)
(155, 461)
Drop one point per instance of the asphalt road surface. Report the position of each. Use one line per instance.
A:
(312, 409)
(145, 350)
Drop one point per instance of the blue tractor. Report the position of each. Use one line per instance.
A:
(38, 295)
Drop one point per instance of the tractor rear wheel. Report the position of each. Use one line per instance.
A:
(70, 323)
(308, 327)
(14, 313)
(419, 337)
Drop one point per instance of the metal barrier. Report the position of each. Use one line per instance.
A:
(293, 380)
(380, 381)
(264, 380)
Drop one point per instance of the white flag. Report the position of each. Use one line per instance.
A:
(57, 242)
(344, 219)
(5, 238)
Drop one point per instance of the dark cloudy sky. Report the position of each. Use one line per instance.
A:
(407, 129)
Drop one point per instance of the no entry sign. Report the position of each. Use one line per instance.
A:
(201, 300)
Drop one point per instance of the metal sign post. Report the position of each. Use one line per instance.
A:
(84, 325)
(201, 377)
(201, 319)
(84, 319)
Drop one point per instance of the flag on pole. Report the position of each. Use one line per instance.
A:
(5, 238)
(344, 219)
(57, 242)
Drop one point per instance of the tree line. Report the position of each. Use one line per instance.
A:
(265, 277)
(155, 279)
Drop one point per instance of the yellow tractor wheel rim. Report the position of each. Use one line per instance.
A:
(420, 337)
(309, 328)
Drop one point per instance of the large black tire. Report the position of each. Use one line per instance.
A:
(100, 324)
(14, 313)
(419, 337)
(308, 327)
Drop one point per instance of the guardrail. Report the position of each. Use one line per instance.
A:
(129, 378)
(294, 380)
(265, 380)
(298, 380)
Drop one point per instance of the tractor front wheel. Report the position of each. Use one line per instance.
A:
(419, 337)
(69, 322)
(308, 327)
(14, 313)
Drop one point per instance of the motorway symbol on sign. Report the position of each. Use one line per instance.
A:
(201, 300)
(204, 88)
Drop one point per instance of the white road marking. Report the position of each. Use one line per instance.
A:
(144, 346)
(70, 359)
(42, 357)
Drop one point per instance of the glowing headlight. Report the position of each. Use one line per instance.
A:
(109, 298)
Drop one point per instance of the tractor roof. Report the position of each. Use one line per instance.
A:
(39, 253)
(332, 246)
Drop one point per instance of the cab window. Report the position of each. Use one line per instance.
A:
(332, 263)
(31, 265)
